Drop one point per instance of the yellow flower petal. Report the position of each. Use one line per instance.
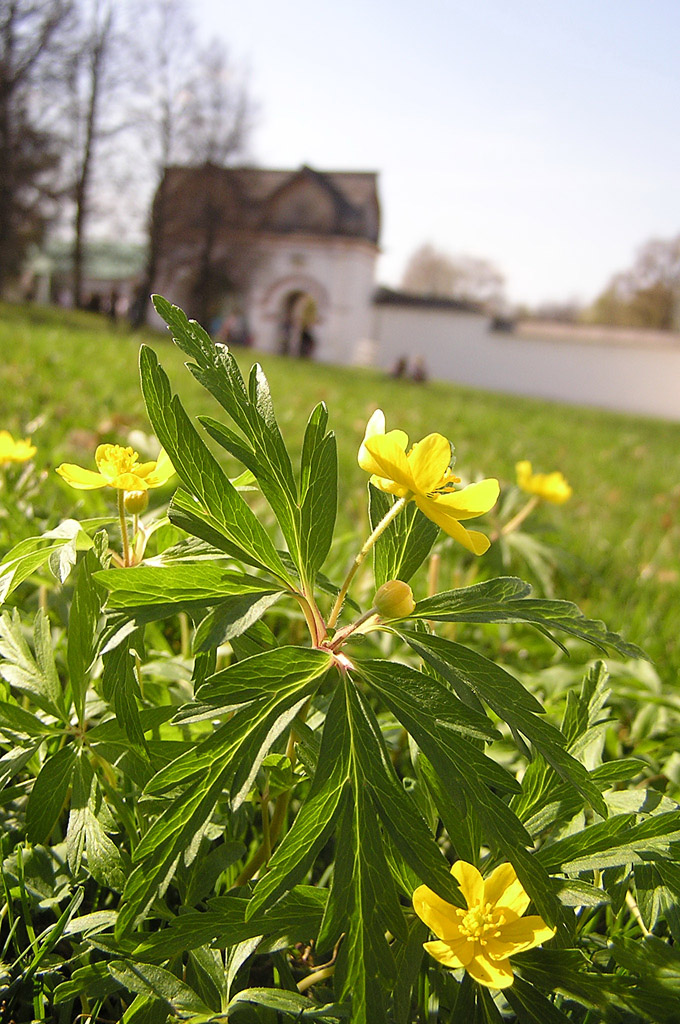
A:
(428, 461)
(492, 973)
(473, 500)
(383, 483)
(388, 458)
(470, 881)
(164, 469)
(439, 916)
(549, 486)
(375, 425)
(454, 954)
(129, 482)
(15, 451)
(520, 935)
(81, 479)
(503, 888)
(435, 510)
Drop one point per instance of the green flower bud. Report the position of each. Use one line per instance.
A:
(136, 502)
(394, 600)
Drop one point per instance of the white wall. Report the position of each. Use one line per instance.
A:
(460, 347)
(339, 275)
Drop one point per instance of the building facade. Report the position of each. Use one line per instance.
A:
(284, 260)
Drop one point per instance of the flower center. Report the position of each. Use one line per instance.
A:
(118, 460)
(480, 923)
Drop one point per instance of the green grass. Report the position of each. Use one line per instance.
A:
(76, 377)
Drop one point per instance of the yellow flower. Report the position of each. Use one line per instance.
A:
(120, 468)
(549, 486)
(15, 451)
(423, 474)
(491, 929)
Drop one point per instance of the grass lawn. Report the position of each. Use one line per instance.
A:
(72, 379)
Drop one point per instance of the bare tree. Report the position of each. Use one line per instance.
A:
(90, 117)
(197, 113)
(647, 295)
(32, 37)
(467, 278)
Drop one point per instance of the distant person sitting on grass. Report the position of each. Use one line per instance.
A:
(419, 372)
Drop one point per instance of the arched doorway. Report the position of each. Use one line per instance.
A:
(298, 318)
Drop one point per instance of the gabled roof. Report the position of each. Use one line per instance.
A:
(352, 195)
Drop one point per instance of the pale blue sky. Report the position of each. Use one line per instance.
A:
(543, 135)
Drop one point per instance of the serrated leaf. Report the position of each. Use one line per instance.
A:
(121, 690)
(296, 915)
(507, 600)
(230, 619)
(202, 582)
(31, 675)
(616, 841)
(299, 1006)
(86, 834)
(86, 607)
(319, 506)
(49, 794)
(315, 819)
(218, 502)
(31, 554)
(148, 980)
(251, 407)
(398, 813)
(511, 702)
(532, 1006)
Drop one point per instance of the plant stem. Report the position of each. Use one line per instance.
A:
(314, 979)
(517, 520)
(123, 527)
(635, 911)
(368, 544)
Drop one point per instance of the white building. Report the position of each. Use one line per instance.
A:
(290, 253)
(285, 261)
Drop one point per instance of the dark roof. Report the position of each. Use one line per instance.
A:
(273, 198)
(393, 297)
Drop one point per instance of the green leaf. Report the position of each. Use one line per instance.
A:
(201, 582)
(611, 843)
(315, 819)
(398, 812)
(85, 832)
(218, 502)
(295, 916)
(462, 769)
(15, 759)
(49, 793)
(264, 452)
(405, 544)
(148, 980)
(511, 702)
(532, 1006)
(228, 759)
(231, 618)
(656, 990)
(121, 690)
(301, 1007)
(272, 672)
(82, 646)
(319, 506)
(32, 675)
(506, 600)
(55, 547)
(423, 701)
